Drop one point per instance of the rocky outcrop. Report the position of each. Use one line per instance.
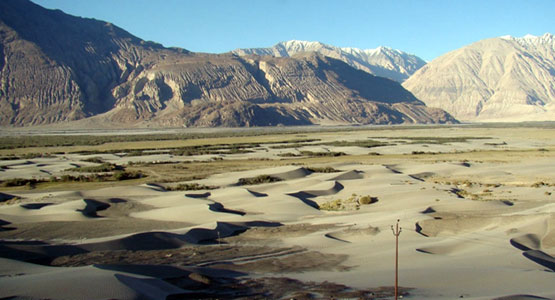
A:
(499, 79)
(59, 68)
(382, 61)
(227, 90)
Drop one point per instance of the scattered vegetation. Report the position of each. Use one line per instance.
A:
(480, 196)
(360, 143)
(105, 167)
(125, 175)
(260, 179)
(65, 140)
(19, 182)
(190, 187)
(496, 144)
(31, 183)
(81, 178)
(13, 142)
(541, 183)
(214, 149)
(333, 205)
(27, 156)
(364, 200)
(289, 154)
(423, 152)
(352, 203)
(322, 170)
(96, 160)
(152, 163)
(434, 139)
(312, 154)
(320, 154)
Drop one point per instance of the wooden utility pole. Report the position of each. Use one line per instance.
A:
(396, 232)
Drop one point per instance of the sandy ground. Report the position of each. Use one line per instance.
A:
(477, 218)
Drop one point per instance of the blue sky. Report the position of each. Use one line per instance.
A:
(427, 28)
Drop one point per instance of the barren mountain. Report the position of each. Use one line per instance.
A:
(58, 68)
(382, 61)
(499, 79)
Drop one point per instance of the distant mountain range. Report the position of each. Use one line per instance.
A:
(60, 69)
(56, 68)
(382, 61)
(499, 79)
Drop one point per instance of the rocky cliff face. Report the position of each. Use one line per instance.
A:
(227, 90)
(499, 79)
(59, 68)
(382, 61)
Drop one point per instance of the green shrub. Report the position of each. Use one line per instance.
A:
(320, 154)
(190, 187)
(538, 184)
(352, 203)
(124, 175)
(96, 160)
(333, 205)
(260, 179)
(361, 143)
(135, 153)
(105, 167)
(18, 182)
(364, 200)
(288, 154)
(323, 170)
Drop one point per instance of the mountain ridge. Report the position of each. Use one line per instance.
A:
(382, 61)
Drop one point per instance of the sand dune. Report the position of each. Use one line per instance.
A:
(81, 283)
(476, 225)
(446, 247)
(323, 189)
(349, 175)
(67, 211)
(520, 297)
(352, 233)
(541, 258)
(293, 174)
(527, 242)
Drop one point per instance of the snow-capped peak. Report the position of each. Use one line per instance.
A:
(381, 61)
(530, 39)
(297, 43)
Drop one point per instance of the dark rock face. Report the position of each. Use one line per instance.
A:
(58, 68)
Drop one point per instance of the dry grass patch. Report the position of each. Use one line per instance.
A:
(322, 170)
(352, 203)
(190, 187)
(260, 179)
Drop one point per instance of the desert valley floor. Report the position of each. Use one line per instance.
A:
(285, 214)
